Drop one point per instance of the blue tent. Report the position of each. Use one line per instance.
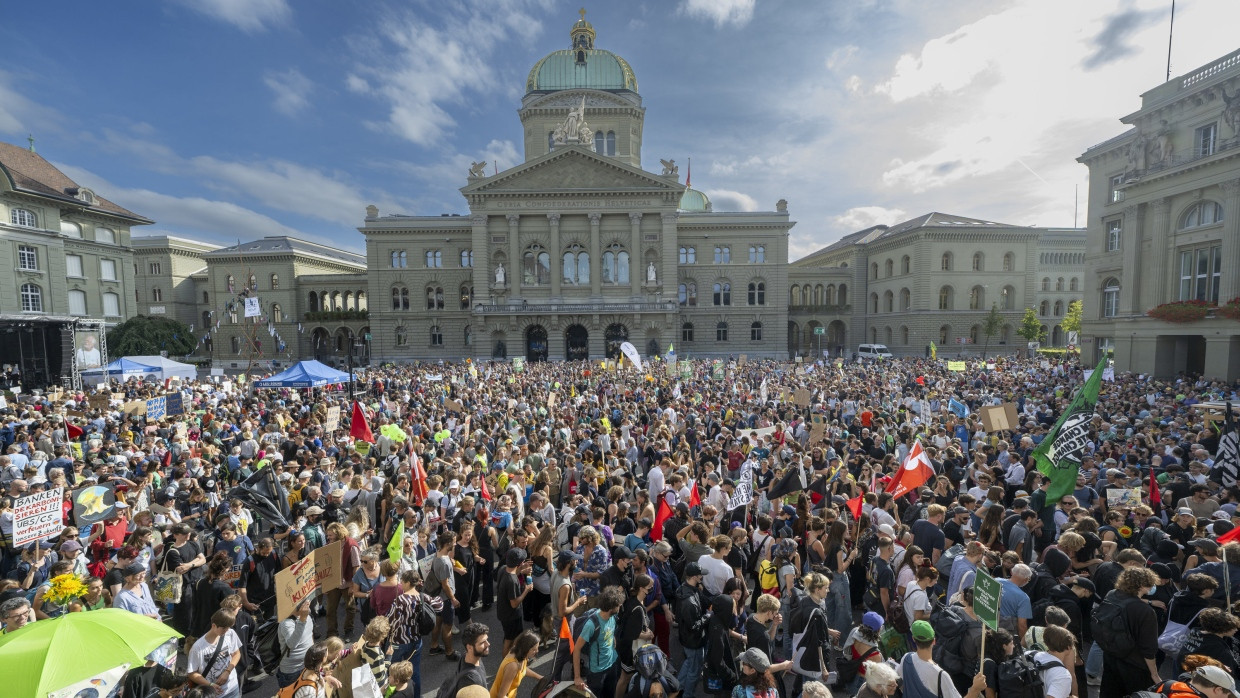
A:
(121, 368)
(304, 374)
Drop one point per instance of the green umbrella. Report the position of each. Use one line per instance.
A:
(48, 655)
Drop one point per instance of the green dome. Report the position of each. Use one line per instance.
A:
(693, 200)
(601, 70)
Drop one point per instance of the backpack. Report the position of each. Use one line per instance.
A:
(290, 690)
(579, 626)
(947, 559)
(913, 513)
(768, 578)
(896, 617)
(951, 627)
(424, 615)
(1021, 676)
(1110, 627)
(432, 584)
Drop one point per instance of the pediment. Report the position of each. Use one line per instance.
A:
(572, 169)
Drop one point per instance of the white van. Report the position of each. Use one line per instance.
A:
(872, 352)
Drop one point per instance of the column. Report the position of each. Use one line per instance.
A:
(484, 266)
(514, 257)
(1155, 292)
(667, 266)
(1130, 244)
(556, 256)
(637, 264)
(1231, 241)
(596, 257)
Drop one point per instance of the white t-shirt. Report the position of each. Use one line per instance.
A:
(930, 675)
(915, 599)
(715, 573)
(1056, 680)
(202, 651)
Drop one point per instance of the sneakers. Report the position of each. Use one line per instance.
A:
(435, 650)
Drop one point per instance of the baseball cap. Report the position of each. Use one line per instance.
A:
(755, 658)
(1184, 511)
(314, 511)
(1217, 676)
(957, 510)
(693, 569)
(887, 530)
(514, 557)
(923, 631)
(564, 556)
(872, 620)
(1086, 584)
(1205, 545)
(121, 505)
(70, 546)
(682, 507)
(303, 475)
(622, 553)
(789, 510)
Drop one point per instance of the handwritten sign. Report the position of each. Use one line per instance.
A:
(37, 516)
(173, 404)
(1117, 498)
(156, 407)
(332, 422)
(453, 406)
(957, 366)
(1000, 417)
(801, 397)
(99, 400)
(315, 574)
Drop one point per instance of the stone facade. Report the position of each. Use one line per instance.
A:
(1164, 226)
(164, 267)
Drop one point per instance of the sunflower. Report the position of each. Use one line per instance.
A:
(1125, 531)
(65, 588)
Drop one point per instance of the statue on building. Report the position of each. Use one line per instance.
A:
(478, 169)
(781, 206)
(1160, 146)
(669, 168)
(574, 129)
(499, 274)
(1231, 111)
(650, 273)
(1136, 153)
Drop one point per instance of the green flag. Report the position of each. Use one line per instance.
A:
(397, 545)
(1059, 455)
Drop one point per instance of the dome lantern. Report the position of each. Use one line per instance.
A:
(582, 37)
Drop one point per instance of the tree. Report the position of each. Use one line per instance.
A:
(1072, 319)
(991, 326)
(1030, 327)
(148, 335)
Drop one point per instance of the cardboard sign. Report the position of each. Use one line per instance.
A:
(453, 406)
(174, 404)
(1000, 417)
(75, 413)
(156, 407)
(134, 407)
(1123, 498)
(315, 574)
(800, 397)
(37, 516)
(99, 400)
(93, 504)
(332, 421)
(986, 593)
(740, 360)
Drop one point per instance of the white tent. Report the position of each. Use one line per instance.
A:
(153, 367)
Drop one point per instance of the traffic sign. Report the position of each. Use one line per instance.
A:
(986, 593)
(820, 330)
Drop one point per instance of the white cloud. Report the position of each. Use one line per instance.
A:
(841, 56)
(451, 172)
(728, 200)
(18, 114)
(721, 12)
(250, 16)
(291, 90)
(862, 217)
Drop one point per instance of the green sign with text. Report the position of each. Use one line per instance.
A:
(986, 592)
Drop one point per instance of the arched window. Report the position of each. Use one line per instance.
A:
(820, 295)
(873, 302)
(77, 302)
(757, 293)
(874, 270)
(1009, 262)
(889, 267)
(829, 298)
(906, 300)
(550, 140)
(1201, 213)
(906, 264)
(235, 343)
(611, 142)
(24, 218)
(977, 298)
(32, 298)
(946, 263)
(1007, 298)
(499, 350)
(536, 267)
(722, 293)
(277, 315)
(1110, 297)
(70, 230)
(1074, 284)
(904, 335)
(794, 296)
(1058, 308)
(873, 335)
(889, 302)
(757, 254)
(1005, 334)
(434, 298)
(400, 298)
(887, 336)
(434, 259)
(468, 335)
(723, 255)
(687, 294)
(615, 265)
(232, 283)
(467, 259)
(721, 331)
(979, 262)
(946, 301)
(1059, 284)
(275, 281)
(576, 267)
(400, 259)
(755, 332)
(467, 294)
(105, 235)
(157, 294)
(975, 334)
(688, 255)
(253, 282)
(843, 295)
(1046, 283)
(600, 143)
(1044, 308)
(945, 335)
(436, 336)
(402, 336)
(812, 295)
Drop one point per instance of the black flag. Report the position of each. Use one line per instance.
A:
(265, 496)
(1227, 460)
(792, 481)
(820, 485)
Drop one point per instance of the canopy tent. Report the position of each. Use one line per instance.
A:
(304, 374)
(154, 367)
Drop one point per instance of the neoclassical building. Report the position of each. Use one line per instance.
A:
(164, 268)
(1164, 226)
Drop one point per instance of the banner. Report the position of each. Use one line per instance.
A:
(37, 516)
(1059, 455)
(174, 404)
(332, 421)
(743, 494)
(630, 353)
(686, 370)
(1123, 498)
(315, 574)
(518, 364)
(716, 370)
(957, 366)
(156, 407)
(253, 308)
(1226, 469)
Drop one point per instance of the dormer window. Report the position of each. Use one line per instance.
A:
(581, 57)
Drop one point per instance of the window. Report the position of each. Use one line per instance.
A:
(812, 295)
(611, 142)
(434, 259)
(235, 343)
(107, 270)
(1201, 213)
(615, 265)
(105, 235)
(904, 335)
(576, 267)
(757, 293)
(1046, 283)
(906, 300)
(723, 293)
(977, 298)
(73, 266)
(402, 336)
(1058, 308)
(1044, 309)
(1059, 284)
(1074, 284)
(536, 267)
(688, 255)
(70, 230)
(1205, 140)
(1116, 194)
(436, 336)
(400, 298)
(1007, 298)
(206, 297)
(467, 259)
(874, 270)
(1110, 297)
(1114, 229)
(154, 268)
(400, 259)
(1200, 271)
(906, 265)
(277, 315)
(434, 298)
(945, 298)
(755, 332)
(794, 296)
(757, 254)
(467, 293)
(946, 263)
(550, 140)
(600, 143)
(32, 298)
(232, 284)
(843, 294)
(686, 332)
(253, 282)
(24, 218)
(157, 294)
(889, 268)
(232, 313)
(945, 335)
(873, 302)
(979, 262)
(686, 293)
(77, 302)
(721, 332)
(1009, 262)
(723, 255)
(27, 258)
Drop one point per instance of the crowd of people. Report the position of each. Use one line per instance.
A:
(655, 532)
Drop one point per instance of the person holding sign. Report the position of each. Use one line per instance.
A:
(923, 678)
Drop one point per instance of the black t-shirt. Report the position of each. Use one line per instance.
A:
(113, 578)
(755, 636)
(880, 577)
(953, 533)
(259, 578)
(509, 589)
(928, 537)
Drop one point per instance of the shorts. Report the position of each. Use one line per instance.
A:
(513, 627)
(448, 613)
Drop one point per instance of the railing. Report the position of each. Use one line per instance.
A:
(335, 315)
(544, 308)
(1185, 158)
(1225, 63)
(823, 309)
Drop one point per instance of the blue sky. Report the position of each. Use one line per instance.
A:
(227, 119)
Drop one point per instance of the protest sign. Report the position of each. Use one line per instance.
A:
(958, 366)
(986, 593)
(173, 404)
(315, 574)
(93, 504)
(1123, 498)
(740, 360)
(716, 370)
(801, 397)
(453, 406)
(134, 407)
(1000, 417)
(37, 516)
(332, 421)
(156, 407)
(99, 400)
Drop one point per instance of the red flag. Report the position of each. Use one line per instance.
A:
(661, 516)
(913, 474)
(695, 499)
(486, 494)
(1233, 534)
(1155, 494)
(854, 505)
(358, 428)
(75, 432)
(419, 489)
